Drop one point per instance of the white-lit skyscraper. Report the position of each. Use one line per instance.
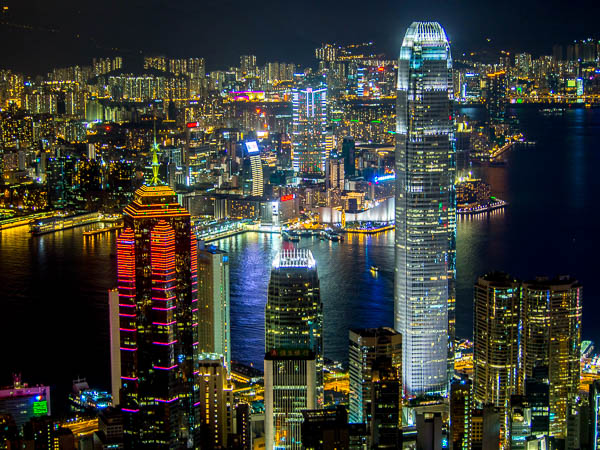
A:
(309, 115)
(425, 210)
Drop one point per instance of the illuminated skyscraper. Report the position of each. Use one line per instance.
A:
(496, 96)
(309, 116)
(215, 397)
(213, 303)
(157, 285)
(294, 313)
(367, 346)
(290, 389)
(425, 210)
(294, 347)
(496, 324)
(552, 339)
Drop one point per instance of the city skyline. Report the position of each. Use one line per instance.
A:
(300, 257)
(73, 33)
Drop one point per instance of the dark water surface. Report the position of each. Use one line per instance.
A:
(53, 324)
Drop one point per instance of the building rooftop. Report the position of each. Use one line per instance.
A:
(297, 257)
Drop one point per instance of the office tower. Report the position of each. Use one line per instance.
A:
(215, 397)
(156, 271)
(519, 422)
(294, 313)
(290, 388)
(254, 182)
(461, 399)
(552, 338)
(348, 147)
(335, 174)
(24, 402)
(115, 346)
(537, 389)
(325, 429)
(367, 346)
(425, 210)
(309, 122)
(386, 404)
(594, 414)
(496, 322)
(495, 101)
(213, 303)
(429, 431)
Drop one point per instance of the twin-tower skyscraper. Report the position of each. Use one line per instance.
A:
(424, 286)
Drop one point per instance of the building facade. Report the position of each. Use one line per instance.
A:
(496, 357)
(425, 210)
(366, 347)
(552, 339)
(309, 119)
(294, 313)
(214, 303)
(157, 287)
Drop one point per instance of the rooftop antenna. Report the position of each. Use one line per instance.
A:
(155, 165)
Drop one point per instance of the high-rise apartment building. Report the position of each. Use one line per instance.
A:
(496, 357)
(309, 122)
(214, 303)
(215, 397)
(156, 269)
(425, 210)
(348, 153)
(366, 347)
(495, 92)
(552, 338)
(294, 313)
(335, 174)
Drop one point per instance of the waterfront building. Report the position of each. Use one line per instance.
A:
(496, 356)
(24, 402)
(294, 313)
(495, 101)
(425, 210)
(461, 399)
(309, 122)
(552, 338)
(214, 303)
(366, 347)
(290, 388)
(158, 312)
(215, 397)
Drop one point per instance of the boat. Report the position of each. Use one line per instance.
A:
(53, 224)
(290, 236)
(374, 268)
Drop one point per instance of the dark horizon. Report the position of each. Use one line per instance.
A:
(72, 33)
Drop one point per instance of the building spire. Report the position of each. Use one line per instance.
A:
(155, 165)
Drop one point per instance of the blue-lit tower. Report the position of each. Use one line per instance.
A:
(425, 210)
(309, 114)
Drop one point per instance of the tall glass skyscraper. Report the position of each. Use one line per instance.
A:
(425, 210)
(309, 117)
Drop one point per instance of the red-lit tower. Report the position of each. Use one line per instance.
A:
(157, 286)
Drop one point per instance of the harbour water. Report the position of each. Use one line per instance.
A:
(53, 288)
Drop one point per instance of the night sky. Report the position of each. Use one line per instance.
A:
(39, 34)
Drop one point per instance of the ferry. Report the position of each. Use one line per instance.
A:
(59, 223)
(374, 268)
(290, 236)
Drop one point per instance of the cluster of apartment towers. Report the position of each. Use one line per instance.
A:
(170, 320)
